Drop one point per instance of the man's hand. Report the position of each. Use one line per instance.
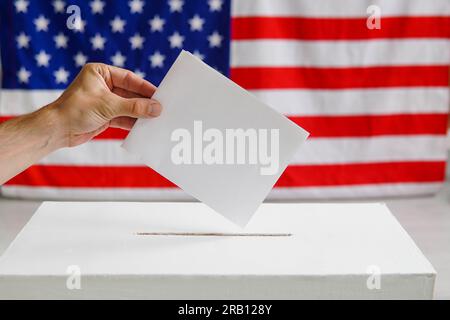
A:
(103, 96)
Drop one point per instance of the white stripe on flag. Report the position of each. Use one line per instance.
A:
(267, 53)
(93, 153)
(314, 151)
(19, 101)
(106, 194)
(175, 194)
(352, 192)
(340, 8)
(356, 101)
(289, 102)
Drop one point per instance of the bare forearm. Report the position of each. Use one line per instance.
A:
(26, 139)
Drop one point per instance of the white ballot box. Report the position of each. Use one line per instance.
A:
(187, 251)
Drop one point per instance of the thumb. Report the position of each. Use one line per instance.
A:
(135, 107)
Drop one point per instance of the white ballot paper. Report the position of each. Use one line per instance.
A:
(215, 140)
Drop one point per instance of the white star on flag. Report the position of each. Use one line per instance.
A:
(156, 24)
(139, 73)
(98, 42)
(118, 59)
(21, 6)
(176, 5)
(198, 55)
(79, 25)
(117, 25)
(41, 23)
(215, 40)
(80, 59)
(157, 60)
(97, 6)
(137, 41)
(61, 40)
(61, 75)
(23, 40)
(196, 23)
(215, 5)
(59, 6)
(176, 40)
(136, 6)
(42, 59)
(23, 75)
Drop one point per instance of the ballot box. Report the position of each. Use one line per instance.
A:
(74, 250)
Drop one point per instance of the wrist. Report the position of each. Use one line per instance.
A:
(50, 124)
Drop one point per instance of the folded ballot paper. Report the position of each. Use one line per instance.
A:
(215, 140)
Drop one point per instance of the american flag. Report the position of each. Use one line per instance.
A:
(375, 100)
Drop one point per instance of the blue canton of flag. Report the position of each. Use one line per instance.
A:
(45, 43)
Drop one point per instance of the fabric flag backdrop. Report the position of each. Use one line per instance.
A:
(376, 101)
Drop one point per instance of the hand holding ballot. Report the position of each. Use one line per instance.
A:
(101, 96)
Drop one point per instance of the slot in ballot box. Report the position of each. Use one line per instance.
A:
(187, 251)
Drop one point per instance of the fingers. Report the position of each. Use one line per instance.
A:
(129, 95)
(125, 93)
(127, 80)
(133, 107)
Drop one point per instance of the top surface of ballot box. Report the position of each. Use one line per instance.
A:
(334, 251)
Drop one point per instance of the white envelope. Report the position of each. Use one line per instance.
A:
(215, 140)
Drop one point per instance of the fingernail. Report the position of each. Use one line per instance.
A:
(155, 108)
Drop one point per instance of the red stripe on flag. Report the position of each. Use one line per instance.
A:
(374, 125)
(244, 28)
(363, 173)
(113, 133)
(347, 126)
(340, 78)
(5, 118)
(294, 176)
(90, 176)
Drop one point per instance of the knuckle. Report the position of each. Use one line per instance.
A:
(95, 67)
(127, 78)
(89, 66)
(138, 108)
